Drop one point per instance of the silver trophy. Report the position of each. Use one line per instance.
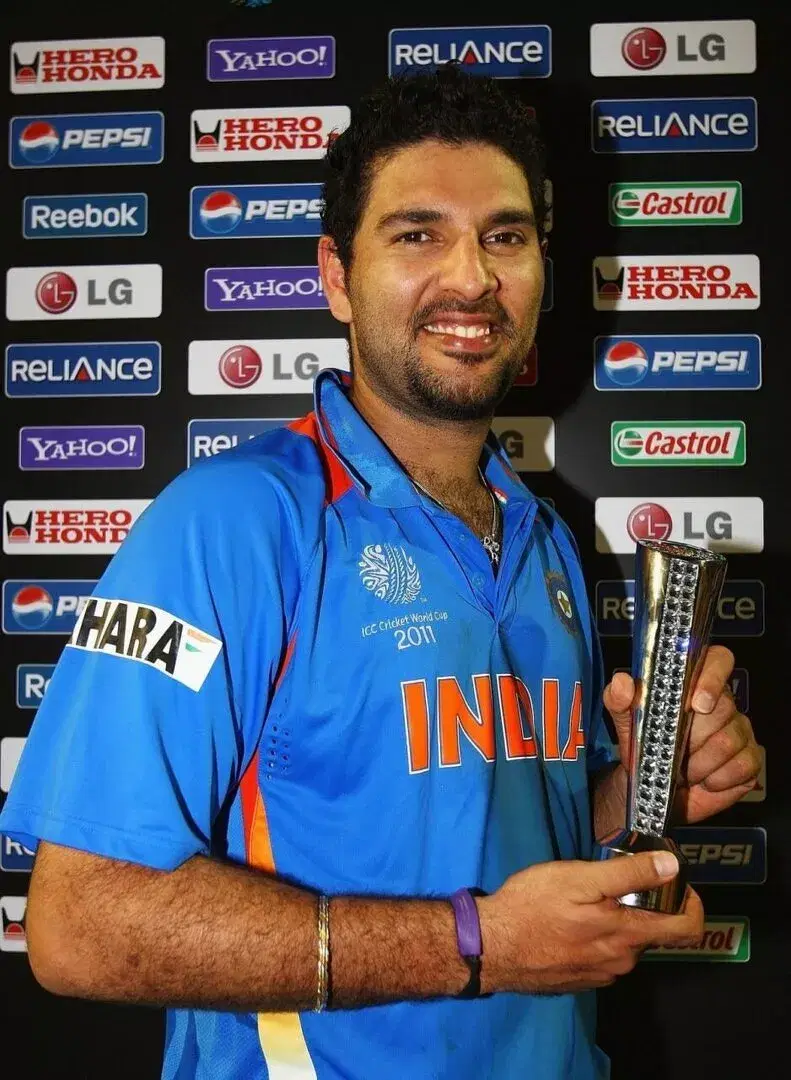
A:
(676, 590)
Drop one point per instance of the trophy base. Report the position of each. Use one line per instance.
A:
(668, 898)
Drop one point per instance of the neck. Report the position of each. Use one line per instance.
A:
(441, 455)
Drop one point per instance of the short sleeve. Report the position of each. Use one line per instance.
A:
(158, 699)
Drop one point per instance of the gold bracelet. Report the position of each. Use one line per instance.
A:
(323, 981)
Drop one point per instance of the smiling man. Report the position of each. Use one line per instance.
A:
(321, 764)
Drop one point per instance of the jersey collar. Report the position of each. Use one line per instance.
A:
(370, 464)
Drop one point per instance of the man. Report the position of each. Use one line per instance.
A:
(356, 655)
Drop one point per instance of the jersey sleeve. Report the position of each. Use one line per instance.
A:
(157, 702)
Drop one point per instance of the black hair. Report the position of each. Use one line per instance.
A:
(448, 105)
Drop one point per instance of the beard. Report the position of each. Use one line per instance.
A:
(395, 369)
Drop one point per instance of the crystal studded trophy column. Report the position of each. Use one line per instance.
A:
(676, 590)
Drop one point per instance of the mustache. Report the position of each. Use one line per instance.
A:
(492, 311)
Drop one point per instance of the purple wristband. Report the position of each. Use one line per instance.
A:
(468, 924)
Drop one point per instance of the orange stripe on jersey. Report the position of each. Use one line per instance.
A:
(257, 841)
(338, 479)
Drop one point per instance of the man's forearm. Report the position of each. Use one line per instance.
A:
(609, 799)
(220, 936)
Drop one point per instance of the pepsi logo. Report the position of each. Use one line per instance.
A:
(626, 363)
(56, 292)
(32, 607)
(39, 142)
(220, 212)
(240, 366)
(649, 521)
(644, 48)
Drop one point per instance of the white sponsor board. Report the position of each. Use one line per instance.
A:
(728, 525)
(12, 913)
(10, 753)
(676, 282)
(85, 64)
(68, 526)
(269, 366)
(529, 441)
(270, 134)
(116, 291)
(713, 47)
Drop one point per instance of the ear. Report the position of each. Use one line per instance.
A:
(333, 279)
(543, 246)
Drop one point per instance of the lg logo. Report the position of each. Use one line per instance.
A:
(240, 366)
(57, 292)
(513, 443)
(645, 48)
(651, 521)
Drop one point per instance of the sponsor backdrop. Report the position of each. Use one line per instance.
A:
(163, 173)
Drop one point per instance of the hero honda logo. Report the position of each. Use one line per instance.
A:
(13, 913)
(695, 282)
(715, 47)
(70, 526)
(90, 369)
(47, 67)
(123, 291)
(677, 362)
(265, 134)
(673, 125)
(255, 210)
(729, 525)
(44, 605)
(505, 52)
(76, 139)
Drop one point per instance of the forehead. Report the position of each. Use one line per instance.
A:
(435, 174)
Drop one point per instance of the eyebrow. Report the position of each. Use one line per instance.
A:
(423, 216)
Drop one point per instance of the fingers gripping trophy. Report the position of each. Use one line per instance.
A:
(676, 590)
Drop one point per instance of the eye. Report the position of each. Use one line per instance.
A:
(413, 237)
(506, 237)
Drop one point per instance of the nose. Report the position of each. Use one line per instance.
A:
(467, 269)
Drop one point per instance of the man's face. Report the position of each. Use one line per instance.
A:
(446, 280)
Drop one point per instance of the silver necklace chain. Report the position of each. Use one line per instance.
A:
(490, 541)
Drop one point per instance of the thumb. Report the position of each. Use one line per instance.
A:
(618, 697)
(624, 874)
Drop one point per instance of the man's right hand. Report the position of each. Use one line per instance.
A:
(558, 927)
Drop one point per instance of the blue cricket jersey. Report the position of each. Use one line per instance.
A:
(298, 662)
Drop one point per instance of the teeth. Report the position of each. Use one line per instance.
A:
(459, 331)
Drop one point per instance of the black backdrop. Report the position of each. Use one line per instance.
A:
(667, 1019)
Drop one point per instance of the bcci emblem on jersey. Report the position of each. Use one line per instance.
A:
(389, 573)
(558, 589)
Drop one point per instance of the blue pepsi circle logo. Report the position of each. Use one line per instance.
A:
(32, 607)
(39, 142)
(626, 363)
(220, 212)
